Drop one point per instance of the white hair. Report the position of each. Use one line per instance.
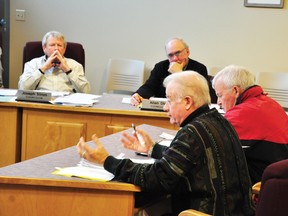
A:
(190, 83)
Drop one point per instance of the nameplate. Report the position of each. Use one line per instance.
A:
(154, 104)
(34, 96)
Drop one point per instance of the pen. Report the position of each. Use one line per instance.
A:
(141, 154)
(140, 138)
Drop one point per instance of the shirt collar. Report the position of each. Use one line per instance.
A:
(186, 65)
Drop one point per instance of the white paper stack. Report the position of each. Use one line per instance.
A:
(77, 99)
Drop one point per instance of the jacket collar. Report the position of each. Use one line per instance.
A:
(196, 113)
(250, 92)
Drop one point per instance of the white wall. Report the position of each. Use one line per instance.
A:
(219, 32)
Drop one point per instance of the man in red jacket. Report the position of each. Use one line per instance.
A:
(260, 122)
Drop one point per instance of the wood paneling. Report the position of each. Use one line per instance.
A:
(35, 200)
(33, 129)
(10, 135)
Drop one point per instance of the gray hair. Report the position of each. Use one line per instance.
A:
(178, 39)
(190, 83)
(234, 75)
(54, 34)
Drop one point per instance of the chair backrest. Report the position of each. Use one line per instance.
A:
(276, 85)
(33, 49)
(124, 75)
(274, 190)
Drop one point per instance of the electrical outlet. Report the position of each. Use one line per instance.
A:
(20, 15)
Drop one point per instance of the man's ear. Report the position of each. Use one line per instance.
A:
(189, 102)
(188, 51)
(44, 49)
(237, 90)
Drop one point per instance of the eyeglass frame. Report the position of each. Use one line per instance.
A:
(177, 53)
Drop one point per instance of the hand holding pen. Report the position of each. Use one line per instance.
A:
(134, 142)
(139, 136)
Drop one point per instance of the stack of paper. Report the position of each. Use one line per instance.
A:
(8, 95)
(8, 92)
(77, 99)
(95, 173)
(87, 170)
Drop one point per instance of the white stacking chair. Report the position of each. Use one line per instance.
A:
(124, 75)
(276, 85)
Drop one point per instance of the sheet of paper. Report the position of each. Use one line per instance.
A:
(158, 99)
(167, 136)
(8, 92)
(7, 99)
(217, 107)
(88, 170)
(59, 93)
(126, 100)
(165, 142)
(142, 161)
(79, 99)
(95, 173)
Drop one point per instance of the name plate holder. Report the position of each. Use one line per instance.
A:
(34, 96)
(153, 104)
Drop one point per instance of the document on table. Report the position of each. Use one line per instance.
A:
(96, 173)
(220, 110)
(8, 92)
(77, 99)
(167, 136)
(126, 100)
(144, 161)
(167, 139)
(59, 93)
(8, 95)
(7, 98)
(92, 171)
(87, 170)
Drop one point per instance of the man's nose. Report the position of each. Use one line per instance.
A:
(174, 58)
(219, 102)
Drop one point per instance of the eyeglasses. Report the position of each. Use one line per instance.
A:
(177, 53)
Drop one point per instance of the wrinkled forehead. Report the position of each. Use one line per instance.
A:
(222, 89)
(174, 46)
(220, 83)
(51, 38)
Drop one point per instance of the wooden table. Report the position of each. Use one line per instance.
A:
(37, 129)
(10, 137)
(29, 189)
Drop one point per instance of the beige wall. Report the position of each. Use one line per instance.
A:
(219, 32)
